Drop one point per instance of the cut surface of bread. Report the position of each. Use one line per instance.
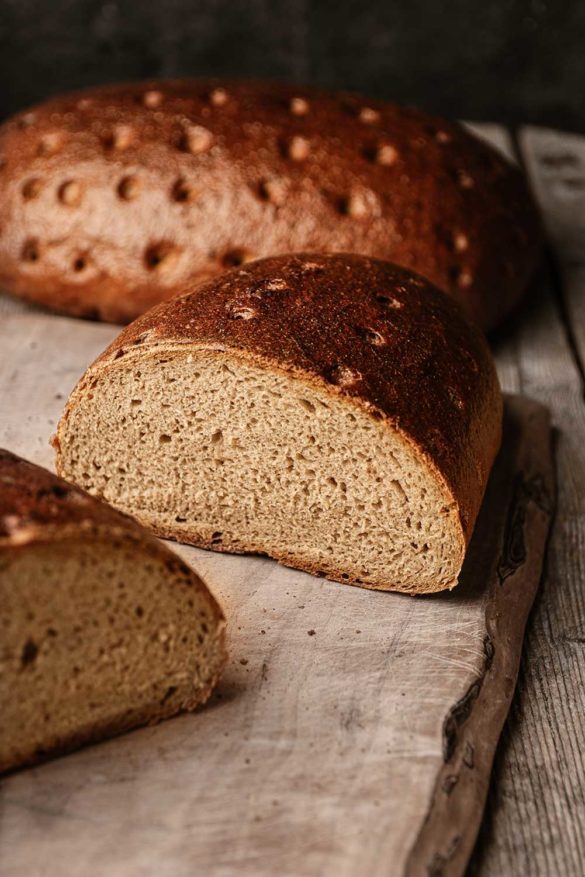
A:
(335, 413)
(111, 200)
(103, 628)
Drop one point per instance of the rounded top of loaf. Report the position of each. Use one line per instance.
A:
(115, 198)
(378, 335)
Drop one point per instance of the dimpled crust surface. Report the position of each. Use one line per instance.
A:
(336, 412)
(103, 628)
(111, 200)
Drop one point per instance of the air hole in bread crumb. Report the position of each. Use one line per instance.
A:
(168, 694)
(152, 98)
(308, 406)
(216, 437)
(299, 106)
(195, 139)
(183, 191)
(129, 187)
(31, 251)
(29, 653)
(32, 188)
(180, 520)
(79, 264)
(70, 193)
(164, 439)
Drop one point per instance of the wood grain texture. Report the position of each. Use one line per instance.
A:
(353, 732)
(535, 818)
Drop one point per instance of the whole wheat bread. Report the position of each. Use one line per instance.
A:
(335, 412)
(112, 199)
(103, 628)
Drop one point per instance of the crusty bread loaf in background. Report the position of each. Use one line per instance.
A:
(103, 628)
(111, 200)
(334, 412)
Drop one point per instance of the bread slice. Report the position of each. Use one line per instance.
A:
(103, 628)
(334, 412)
(113, 199)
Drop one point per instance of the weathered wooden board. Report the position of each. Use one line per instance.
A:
(536, 811)
(354, 731)
(535, 821)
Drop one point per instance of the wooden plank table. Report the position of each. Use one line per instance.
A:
(535, 818)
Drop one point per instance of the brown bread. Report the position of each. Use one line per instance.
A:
(114, 199)
(103, 628)
(335, 412)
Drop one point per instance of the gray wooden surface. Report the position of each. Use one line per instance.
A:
(535, 817)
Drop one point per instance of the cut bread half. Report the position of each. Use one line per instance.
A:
(103, 628)
(333, 412)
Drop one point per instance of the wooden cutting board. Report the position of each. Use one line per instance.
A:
(353, 732)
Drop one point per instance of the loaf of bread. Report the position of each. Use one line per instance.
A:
(103, 628)
(334, 412)
(111, 200)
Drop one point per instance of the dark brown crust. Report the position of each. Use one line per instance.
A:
(39, 507)
(380, 336)
(114, 199)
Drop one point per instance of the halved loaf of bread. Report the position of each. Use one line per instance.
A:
(334, 412)
(113, 199)
(103, 628)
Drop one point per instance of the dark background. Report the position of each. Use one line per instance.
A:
(509, 61)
